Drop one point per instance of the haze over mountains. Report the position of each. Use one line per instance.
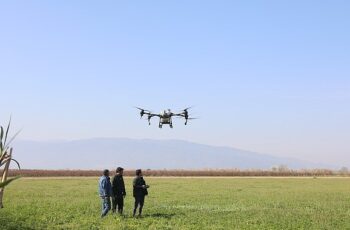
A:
(101, 153)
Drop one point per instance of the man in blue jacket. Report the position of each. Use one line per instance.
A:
(105, 191)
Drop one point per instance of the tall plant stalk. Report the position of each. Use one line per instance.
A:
(5, 158)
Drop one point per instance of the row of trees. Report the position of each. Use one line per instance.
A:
(284, 168)
(185, 173)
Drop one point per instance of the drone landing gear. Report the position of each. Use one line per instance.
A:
(171, 125)
(160, 125)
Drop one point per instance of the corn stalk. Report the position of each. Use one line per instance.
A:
(5, 159)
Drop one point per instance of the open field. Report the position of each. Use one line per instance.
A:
(183, 203)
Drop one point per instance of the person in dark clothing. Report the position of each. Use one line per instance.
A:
(139, 191)
(105, 192)
(118, 189)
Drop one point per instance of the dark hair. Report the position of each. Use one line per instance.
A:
(138, 172)
(119, 169)
(105, 172)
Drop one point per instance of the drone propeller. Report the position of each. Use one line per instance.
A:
(142, 111)
(185, 112)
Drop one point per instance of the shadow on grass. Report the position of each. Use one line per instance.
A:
(159, 215)
(152, 215)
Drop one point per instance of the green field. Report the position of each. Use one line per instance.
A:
(183, 203)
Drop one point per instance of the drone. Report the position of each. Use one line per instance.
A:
(165, 117)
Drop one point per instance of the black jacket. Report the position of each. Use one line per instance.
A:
(118, 186)
(138, 189)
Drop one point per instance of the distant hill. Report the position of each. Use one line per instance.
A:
(148, 154)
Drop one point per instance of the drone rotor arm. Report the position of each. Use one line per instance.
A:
(178, 115)
(154, 115)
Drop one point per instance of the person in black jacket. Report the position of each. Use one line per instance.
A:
(139, 191)
(118, 189)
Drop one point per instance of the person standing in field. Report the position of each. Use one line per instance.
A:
(139, 192)
(105, 191)
(118, 189)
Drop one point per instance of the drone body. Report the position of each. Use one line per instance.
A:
(165, 117)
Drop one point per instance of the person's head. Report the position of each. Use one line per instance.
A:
(138, 172)
(106, 172)
(120, 170)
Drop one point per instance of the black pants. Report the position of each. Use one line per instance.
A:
(139, 201)
(118, 201)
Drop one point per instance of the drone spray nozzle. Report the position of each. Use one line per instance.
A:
(149, 119)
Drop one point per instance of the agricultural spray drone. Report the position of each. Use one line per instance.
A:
(165, 117)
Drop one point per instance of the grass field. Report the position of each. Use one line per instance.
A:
(183, 203)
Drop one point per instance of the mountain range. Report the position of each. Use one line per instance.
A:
(101, 153)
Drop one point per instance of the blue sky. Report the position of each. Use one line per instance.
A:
(267, 76)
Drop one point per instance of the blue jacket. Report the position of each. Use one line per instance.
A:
(104, 186)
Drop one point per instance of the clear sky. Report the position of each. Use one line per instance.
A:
(266, 76)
